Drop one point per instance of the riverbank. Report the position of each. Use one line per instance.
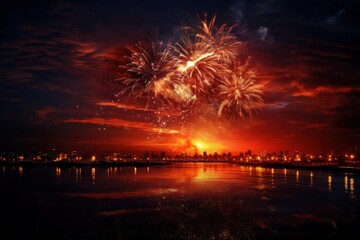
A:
(83, 164)
(325, 167)
(351, 168)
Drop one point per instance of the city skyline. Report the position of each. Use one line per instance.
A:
(283, 154)
(59, 62)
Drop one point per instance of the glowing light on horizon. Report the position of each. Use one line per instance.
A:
(199, 145)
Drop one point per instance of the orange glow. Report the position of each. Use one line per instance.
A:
(123, 123)
(203, 175)
(124, 106)
(93, 175)
(197, 145)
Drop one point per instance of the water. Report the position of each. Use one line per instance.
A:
(179, 201)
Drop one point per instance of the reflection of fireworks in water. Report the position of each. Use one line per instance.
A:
(198, 76)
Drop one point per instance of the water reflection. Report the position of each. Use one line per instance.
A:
(215, 201)
(329, 182)
(352, 188)
(220, 188)
(58, 172)
(349, 185)
(272, 178)
(297, 177)
(346, 183)
(78, 175)
(263, 178)
(20, 171)
(93, 175)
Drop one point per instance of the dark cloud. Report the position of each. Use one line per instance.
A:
(336, 17)
(262, 33)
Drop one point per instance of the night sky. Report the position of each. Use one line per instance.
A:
(58, 62)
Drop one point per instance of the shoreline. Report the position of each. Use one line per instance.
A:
(322, 167)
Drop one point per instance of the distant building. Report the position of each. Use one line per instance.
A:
(146, 155)
(248, 153)
(262, 153)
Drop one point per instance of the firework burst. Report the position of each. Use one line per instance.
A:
(197, 63)
(150, 71)
(198, 78)
(239, 95)
(223, 40)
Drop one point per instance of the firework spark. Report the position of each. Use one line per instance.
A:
(199, 77)
(239, 95)
(150, 70)
(226, 45)
(197, 63)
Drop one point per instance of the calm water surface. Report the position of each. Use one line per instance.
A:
(179, 201)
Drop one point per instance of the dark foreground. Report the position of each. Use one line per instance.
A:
(178, 201)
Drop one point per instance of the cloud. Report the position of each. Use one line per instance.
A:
(302, 91)
(335, 18)
(277, 105)
(44, 112)
(311, 125)
(147, 127)
(262, 33)
(237, 12)
(124, 106)
(53, 87)
(130, 107)
(10, 99)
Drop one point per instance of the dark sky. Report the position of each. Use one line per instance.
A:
(57, 72)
